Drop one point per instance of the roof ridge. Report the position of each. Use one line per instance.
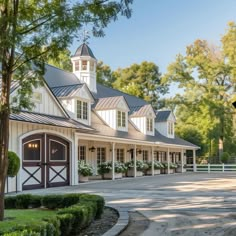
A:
(59, 68)
(66, 85)
(124, 93)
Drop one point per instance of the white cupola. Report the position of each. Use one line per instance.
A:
(84, 66)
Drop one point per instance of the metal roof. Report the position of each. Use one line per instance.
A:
(14, 85)
(56, 77)
(44, 119)
(140, 111)
(162, 116)
(104, 130)
(84, 50)
(66, 91)
(108, 103)
(132, 101)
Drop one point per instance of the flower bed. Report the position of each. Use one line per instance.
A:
(140, 168)
(105, 169)
(78, 211)
(157, 168)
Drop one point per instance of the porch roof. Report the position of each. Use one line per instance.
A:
(44, 119)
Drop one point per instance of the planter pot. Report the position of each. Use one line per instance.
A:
(109, 175)
(156, 172)
(178, 170)
(171, 171)
(131, 173)
(83, 179)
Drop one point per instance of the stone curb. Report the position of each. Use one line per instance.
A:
(122, 222)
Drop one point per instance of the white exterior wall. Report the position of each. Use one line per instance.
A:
(140, 123)
(20, 130)
(109, 116)
(162, 128)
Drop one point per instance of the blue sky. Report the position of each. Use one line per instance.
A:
(160, 29)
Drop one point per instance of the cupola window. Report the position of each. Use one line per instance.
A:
(84, 65)
(91, 66)
(76, 65)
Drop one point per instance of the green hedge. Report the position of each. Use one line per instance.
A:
(78, 211)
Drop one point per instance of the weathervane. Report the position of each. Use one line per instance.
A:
(84, 36)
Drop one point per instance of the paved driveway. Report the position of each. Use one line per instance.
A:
(181, 204)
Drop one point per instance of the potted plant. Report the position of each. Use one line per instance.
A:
(105, 169)
(140, 167)
(179, 169)
(157, 168)
(173, 166)
(84, 171)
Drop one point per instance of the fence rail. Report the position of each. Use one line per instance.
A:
(212, 168)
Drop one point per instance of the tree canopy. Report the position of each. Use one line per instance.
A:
(207, 75)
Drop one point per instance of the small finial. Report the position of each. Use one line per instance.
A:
(84, 36)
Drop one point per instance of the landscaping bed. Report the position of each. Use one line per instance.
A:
(50, 215)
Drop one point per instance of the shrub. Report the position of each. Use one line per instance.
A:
(172, 165)
(94, 198)
(53, 201)
(140, 165)
(70, 199)
(157, 165)
(35, 201)
(22, 233)
(66, 223)
(13, 164)
(225, 157)
(23, 201)
(10, 202)
(85, 169)
(104, 168)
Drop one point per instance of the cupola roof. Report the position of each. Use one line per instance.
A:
(84, 50)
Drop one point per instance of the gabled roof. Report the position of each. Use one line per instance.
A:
(141, 111)
(109, 103)
(45, 119)
(84, 50)
(162, 116)
(132, 101)
(66, 91)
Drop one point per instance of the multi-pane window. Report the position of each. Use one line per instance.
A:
(91, 66)
(121, 119)
(82, 110)
(82, 153)
(162, 156)
(149, 124)
(145, 155)
(76, 65)
(101, 155)
(84, 65)
(170, 128)
(120, 155)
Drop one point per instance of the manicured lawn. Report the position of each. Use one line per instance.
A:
(23, 216)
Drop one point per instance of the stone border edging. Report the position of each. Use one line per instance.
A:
(122, 222)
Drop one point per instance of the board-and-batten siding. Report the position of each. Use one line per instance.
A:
(109, 116)
(18, 129)
(140, 123)
(161, 127)
(47, 104)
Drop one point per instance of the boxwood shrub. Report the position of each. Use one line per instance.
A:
(78, 211)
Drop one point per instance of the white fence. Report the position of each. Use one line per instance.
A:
(212, 168)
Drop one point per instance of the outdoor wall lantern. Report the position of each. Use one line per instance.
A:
(92, 149)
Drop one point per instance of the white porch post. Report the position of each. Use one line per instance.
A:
(135, 157)
(152, 162)
(182, 161)
(168, 161)
(194, 161)
(74, 163)
(113, 161)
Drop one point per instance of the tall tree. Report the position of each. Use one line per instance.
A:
(207, 76)
(104, 74)
(142, 80)
(32, 32)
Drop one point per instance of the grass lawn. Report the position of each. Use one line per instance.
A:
(23, 216)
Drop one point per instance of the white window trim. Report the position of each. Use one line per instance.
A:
(149, 124)
(123, 120)
(82, 109)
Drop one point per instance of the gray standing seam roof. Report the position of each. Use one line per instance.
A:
(65, 91)
(44, 119)
(108, 103)
(162, 116)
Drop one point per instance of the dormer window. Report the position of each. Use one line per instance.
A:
(170, 128)
(149, 124)
(84, 65)
(82, 110)
(121, 119)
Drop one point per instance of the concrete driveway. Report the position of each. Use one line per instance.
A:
(180, 204)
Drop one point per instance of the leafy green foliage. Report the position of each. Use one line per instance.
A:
(225, 157)
(104, 74)
(207, 76)
(13, 164)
